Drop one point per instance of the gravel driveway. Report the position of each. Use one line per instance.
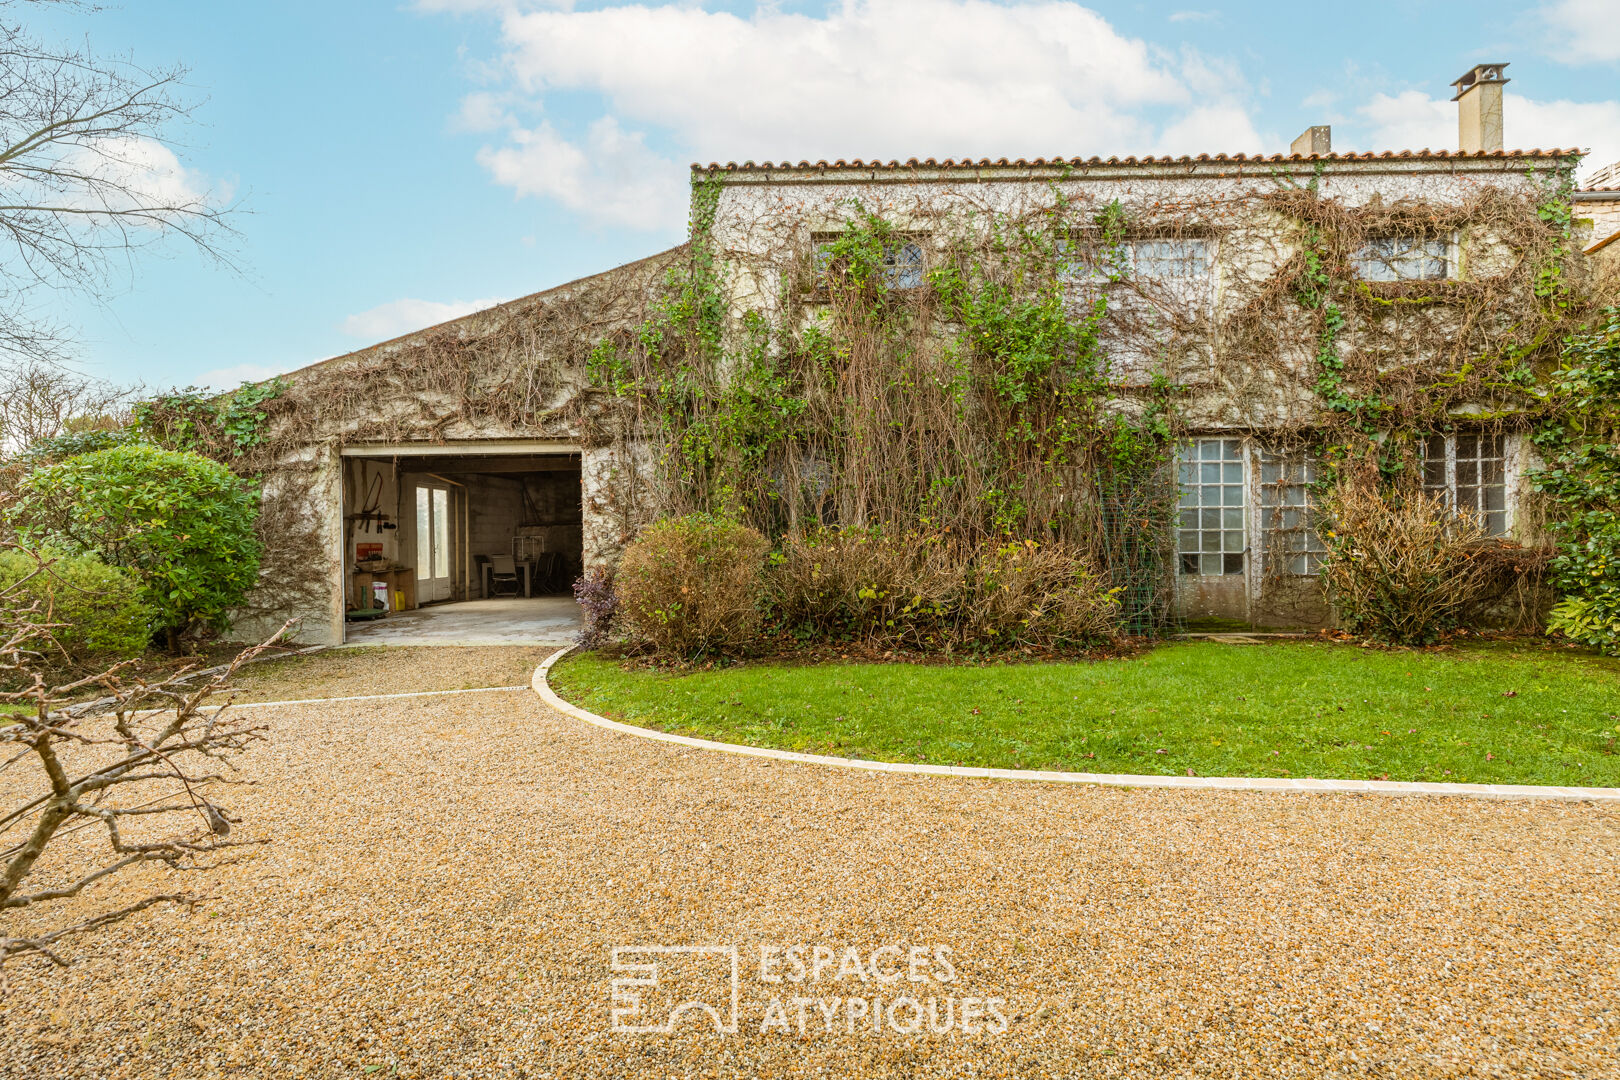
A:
(449, 875)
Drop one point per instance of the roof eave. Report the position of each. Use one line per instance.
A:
(1098, 167)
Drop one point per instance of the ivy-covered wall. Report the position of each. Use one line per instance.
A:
(998, 351)
(1016, 351)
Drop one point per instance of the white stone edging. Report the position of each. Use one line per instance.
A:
(542, 686)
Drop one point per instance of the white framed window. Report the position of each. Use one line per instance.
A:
(903, 265)
(902, 261)
(1238, 498)
(1404, 258)
(1292, 543)
(1212, 531)
(1470, 471)
(1181, 257)
(1162, 259)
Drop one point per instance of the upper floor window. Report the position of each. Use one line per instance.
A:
(1179, 258)
(1403, 258)
(903, 265)
(901, 262)
(1470, 473)
(1154, 259)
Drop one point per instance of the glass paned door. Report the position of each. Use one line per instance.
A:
(432, 544)
(1213, 539)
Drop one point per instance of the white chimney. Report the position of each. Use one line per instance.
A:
(1313, 140)
(1479, 108)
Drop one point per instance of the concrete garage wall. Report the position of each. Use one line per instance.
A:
(496, 505)
(306, 492)
(615, 484)
(364, 476)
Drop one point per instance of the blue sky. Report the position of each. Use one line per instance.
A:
(400, 163)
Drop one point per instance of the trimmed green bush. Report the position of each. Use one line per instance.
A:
(101, 605)
(181, 523)
(690, 586)
(864, 584)
(1033, 595)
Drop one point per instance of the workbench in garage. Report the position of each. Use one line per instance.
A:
(402, 580)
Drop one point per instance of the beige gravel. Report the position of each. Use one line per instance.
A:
(388, 670)
(448, 876)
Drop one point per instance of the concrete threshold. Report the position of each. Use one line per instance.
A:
(539, 620)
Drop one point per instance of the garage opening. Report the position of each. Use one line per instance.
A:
(461, 547)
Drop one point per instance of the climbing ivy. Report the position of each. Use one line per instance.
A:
(971, 402)
(221, 426)
(985, 400)
(1582, 477)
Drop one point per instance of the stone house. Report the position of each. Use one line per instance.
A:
(488, 435)
(1597, 206)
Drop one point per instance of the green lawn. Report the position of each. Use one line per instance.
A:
(1485, 714)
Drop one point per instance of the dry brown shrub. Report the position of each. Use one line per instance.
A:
(690, 586)
(1037, 595)
(866, 585)
(929, 591)
(1402, 568)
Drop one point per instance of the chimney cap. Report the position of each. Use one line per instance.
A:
(1479, 74)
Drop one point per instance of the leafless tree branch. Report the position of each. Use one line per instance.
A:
(88, 177)
(163, 740)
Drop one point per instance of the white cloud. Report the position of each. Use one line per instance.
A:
(870, 78)
(463, 7)
(612, 178)
(1412, 120)
(398, 317)
(483, 111)
(1585, 31)
(1589, 125)
(131, 173)
(229, 378)
(1208, 128)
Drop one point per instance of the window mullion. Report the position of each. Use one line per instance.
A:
(1451, 473)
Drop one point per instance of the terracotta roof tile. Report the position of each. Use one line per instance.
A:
(996, 163)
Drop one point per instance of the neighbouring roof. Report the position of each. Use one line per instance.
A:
(1076, 162)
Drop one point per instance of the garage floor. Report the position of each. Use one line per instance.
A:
(540, 620)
